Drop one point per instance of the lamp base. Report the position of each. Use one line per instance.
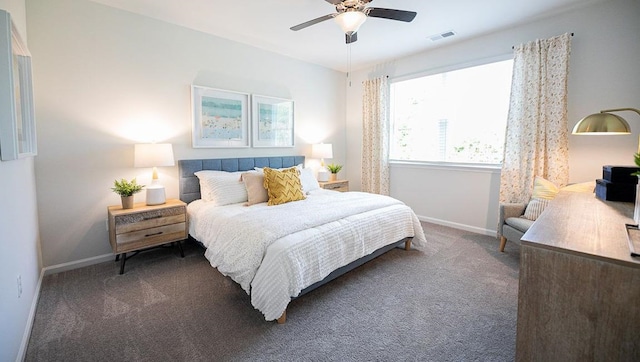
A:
(323, 174)
(156, 195)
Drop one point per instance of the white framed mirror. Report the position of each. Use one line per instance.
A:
(17, 114)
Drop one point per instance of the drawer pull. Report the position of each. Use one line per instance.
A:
(154, 234)
(152, 217)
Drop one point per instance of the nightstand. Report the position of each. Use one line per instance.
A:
(338, 185)
(132, 230)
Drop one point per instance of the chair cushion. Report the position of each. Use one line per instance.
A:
(519, 223)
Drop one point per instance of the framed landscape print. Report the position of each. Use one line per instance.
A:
(272, 121)
(220, 118)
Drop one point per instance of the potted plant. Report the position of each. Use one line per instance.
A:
(334, 169)
(126, 190)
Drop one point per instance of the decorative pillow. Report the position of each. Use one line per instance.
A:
(544, 189)
(283, 186)
(581, 187)
(308, 180)
(221, 188)
(543, 192)
(535, 207)
(254, 183)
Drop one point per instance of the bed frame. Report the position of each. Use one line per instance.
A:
(190, 191)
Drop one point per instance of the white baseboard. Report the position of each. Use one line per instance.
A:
(22, 353)
(455, 225)
(78, 264)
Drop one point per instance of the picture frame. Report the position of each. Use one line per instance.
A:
(220, 118)
(272, 121)
(17, 112)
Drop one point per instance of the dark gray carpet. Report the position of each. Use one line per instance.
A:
(454, 301)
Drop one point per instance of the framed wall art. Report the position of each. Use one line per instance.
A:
(17, 113)
(272, 121)
(220, 118)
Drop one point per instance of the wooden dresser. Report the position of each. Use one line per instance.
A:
(579, 293)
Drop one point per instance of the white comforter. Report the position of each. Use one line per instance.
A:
(274, 252)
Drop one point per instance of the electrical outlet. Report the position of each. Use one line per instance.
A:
(19, 281)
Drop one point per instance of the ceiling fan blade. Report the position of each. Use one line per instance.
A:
(312, 22)
(393, 14)
(334, 2)
(351, 38)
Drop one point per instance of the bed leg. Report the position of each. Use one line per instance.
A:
(407, 244)
(283, 318)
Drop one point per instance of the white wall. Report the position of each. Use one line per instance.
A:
(106, 79)
(604, 73)
(19, 244)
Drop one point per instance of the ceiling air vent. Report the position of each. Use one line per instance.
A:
(440, 36)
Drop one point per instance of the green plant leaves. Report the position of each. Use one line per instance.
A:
(333, 168)
(126, 188)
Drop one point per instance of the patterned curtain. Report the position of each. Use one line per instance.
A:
(375, 136)
(537, 140)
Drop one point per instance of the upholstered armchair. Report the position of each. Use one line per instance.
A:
(511, 225)
(515, 219)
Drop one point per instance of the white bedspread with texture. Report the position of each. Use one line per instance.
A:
(274, 252)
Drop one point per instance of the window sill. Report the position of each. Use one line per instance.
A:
(450, 166)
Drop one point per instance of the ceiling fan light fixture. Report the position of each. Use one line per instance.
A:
(350, 21)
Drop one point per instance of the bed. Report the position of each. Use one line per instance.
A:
(280, 252)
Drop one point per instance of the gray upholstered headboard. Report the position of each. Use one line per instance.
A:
(190, 186)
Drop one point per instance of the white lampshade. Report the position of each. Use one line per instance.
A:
(153, 155)
(350, 21)
(322, 150)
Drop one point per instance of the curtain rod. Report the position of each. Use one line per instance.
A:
(513, 46)
(386, 76)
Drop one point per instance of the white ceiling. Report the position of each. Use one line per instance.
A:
(265, 24)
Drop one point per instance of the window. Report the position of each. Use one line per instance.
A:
(457, 116)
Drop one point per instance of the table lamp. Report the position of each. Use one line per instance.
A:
(154, 155)
(322, 151)
(606, 123)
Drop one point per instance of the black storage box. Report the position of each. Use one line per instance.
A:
(615, 191)
(620, 174)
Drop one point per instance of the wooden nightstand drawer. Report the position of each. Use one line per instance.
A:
(150, 237)
(126, 224)
(340, 185)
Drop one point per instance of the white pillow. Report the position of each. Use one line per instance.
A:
(221, 188)
(308, 180)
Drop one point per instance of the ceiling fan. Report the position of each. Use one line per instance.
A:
(350, 14)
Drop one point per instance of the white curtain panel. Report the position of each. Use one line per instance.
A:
(537, 138)
(375, 136)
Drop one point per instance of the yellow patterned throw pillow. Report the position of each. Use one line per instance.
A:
(282, 186)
